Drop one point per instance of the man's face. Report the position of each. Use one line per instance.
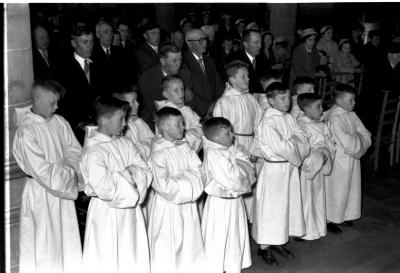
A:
(41, 38)
(123, 32)
(227, 45)
(240, 27)
(45, 104)
(105, 35)
(197, 42)
(310, 41)
(172, 63)
(376, 40)
(177, 40)
(253, 44)
(152, 36)
(83, 45)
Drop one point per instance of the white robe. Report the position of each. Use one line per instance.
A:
(244, 113)
(193, 127)
(277, 209)
(47, 150)
(343, 186)
(313, 175)
(295, 110)
(115, 234)
(224, 225)
(174, 230)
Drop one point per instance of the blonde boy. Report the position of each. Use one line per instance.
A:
(277, 209)
(174, 230)
(352, 140)
(230, 174)
(301, 85)
(172, 89)
(316, 166)
(117, 178)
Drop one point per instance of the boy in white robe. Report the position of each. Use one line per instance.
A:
(277, 209)
(352, 140)
(301, 85)
(273, 76)
(242, 110)
(229, 175)
(174, 230)
(47, 151)
(117, 178)
(172, 89)
(316, 166)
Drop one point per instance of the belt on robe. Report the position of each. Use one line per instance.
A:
(246, 135)
(282, 161)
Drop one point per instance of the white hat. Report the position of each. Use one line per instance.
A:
(306, 32)
(240, 20)
(342, 41)
(252, 25)
(325, 28)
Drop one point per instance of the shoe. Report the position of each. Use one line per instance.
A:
(267, 256)
(283, 251)
(333, 228)
(347, 224)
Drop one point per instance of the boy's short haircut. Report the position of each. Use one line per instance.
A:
(165, 81)
(276, 88)
(232, 68)
(165, 50)
(272, 74)
(107, 105)
(49, 85)
(165, 113)
(342, 88)
(304, 100)
(303, 80)
(122, 90)
(213, 125)
(78, 31)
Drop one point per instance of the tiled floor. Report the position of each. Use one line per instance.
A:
(371, 246)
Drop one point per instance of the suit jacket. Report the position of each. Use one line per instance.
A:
(220, 57)
(150, 91)
(40, 67)
(254, 74)
(145, 58)
(303, 63)
(390, 77)
(77, 104)
(206, 88)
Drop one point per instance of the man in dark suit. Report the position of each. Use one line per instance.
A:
(44, 58)
(146, 55)
(220, 55)
(82, 80)
(207, 83)
(251, 55)
(150, 81)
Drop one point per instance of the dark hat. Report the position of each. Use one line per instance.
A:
(149, 26)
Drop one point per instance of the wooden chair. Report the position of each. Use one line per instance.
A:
(387, 127)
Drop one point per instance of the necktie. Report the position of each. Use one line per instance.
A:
(202, 65)
(46, 57)
(86, 69)
(108, 53)
(253, 62)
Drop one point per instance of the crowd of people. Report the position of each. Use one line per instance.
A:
(187, 146)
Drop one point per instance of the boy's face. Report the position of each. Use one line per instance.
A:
(45, 104)
(240, 80)
(113, 125)
(131, 98)
(281, 102)
(305, 88)
(175, 92)
(224, 137)
(347, 101)
(173, 128)
(314, 110)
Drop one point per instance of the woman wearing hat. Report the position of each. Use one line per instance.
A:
(326, 43)
(305, 56)
(346, 62)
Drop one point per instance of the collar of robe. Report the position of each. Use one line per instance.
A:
(26, 116)
(231, 91)
(208, 144)
(166, 103)
(159, 143)
(94, 137)
(273, 112)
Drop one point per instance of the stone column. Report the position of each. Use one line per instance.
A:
(283, 21)
(18, 79)
(165, 15)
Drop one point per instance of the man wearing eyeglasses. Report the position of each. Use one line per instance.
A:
(207, 83)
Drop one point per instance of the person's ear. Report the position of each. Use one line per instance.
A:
(164, 94)
(73, 43)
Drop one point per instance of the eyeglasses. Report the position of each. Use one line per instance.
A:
(201, 40)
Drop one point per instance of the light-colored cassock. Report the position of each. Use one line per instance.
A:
(295, 110)
(343, 186)
(115, 234)
(174, 230)
(141, 135)
(244, 113)
(193, 127)
(313, 174)
(47, 150)
(263, 102)
(224, 225)
(277, 209)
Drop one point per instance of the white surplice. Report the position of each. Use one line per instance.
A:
(295, 110)
(313, 175)
(244, 113)
(224, 225)
(174, 230)
(141, 135)
(343, 186)
(193, 127)
(277, 208)
(48, 152)
(115, 234)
